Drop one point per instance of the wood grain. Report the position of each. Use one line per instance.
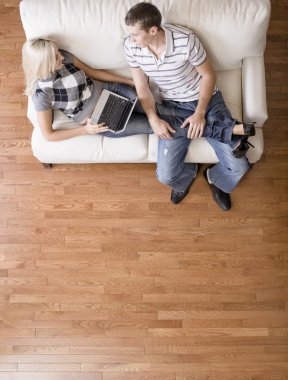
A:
(101, 278)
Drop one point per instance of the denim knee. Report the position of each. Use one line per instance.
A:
(239, 166)
(165, 176)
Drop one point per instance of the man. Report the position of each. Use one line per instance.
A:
(174, 58)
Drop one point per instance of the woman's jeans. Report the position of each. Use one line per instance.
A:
(138, 123)
(171, 168)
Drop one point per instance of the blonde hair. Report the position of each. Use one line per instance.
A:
(38, 61)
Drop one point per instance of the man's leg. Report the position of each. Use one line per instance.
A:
(229, 171)
(172, 170)
(225, 175)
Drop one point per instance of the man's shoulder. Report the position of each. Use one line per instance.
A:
(178, 29)
(131, 47)
(128, 43)
(179, 39)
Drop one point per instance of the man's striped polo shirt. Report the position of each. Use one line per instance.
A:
(174, 72)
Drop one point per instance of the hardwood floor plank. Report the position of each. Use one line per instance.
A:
(138, 376)
(51, 376)
(71, 367)
(98, 286)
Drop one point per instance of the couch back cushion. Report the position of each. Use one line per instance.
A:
(94, 30)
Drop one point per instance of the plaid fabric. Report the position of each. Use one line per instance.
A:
(67, 90)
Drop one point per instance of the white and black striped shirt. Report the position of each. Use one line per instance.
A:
(174, 72)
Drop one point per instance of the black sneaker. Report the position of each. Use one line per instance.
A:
(220, 197)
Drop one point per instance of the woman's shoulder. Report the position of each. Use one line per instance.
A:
(42, 97)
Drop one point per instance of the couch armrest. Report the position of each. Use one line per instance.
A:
(254, 90)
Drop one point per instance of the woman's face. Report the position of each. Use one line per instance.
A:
(59, 58)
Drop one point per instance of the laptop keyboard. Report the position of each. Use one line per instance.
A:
(113, 112)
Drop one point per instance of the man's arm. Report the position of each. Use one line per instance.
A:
(197, 120)
(160, 127)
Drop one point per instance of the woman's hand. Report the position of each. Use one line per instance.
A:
(93, 129)
(130, 82)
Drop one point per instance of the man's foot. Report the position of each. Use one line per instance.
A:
(220, 197)
(178, 196)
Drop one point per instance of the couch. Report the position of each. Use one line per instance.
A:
(232, 31)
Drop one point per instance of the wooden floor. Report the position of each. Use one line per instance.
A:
(98, 286)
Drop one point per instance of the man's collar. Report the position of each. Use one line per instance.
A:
(169, 40)
(169, 46)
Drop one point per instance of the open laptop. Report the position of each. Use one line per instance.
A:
(114, 110)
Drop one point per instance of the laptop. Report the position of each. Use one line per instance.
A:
(114, 110)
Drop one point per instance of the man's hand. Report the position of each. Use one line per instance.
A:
(161, 128)
(196, 123)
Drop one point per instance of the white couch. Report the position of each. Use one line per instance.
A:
(232, 31)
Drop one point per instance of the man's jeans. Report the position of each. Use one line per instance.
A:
(171, 168)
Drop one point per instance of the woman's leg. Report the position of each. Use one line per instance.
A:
(126, 91)
(219, 122)
(138, 123)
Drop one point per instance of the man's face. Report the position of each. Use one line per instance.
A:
(139, 36)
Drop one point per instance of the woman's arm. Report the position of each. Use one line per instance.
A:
(45, 123)
(102, 75)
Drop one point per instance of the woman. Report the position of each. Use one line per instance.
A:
(55, 79)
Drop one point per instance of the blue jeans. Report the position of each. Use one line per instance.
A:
(138, 123)
(219, 122)
(171, 168)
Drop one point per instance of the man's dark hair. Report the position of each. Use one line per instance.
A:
(146, 14)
